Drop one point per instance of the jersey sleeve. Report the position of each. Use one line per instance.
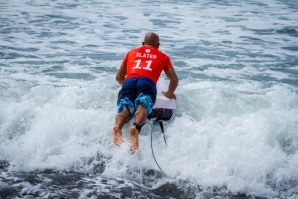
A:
(168, 63)
(124, 61)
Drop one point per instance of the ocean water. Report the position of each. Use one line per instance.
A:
(235, 134)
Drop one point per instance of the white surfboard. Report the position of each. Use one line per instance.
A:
(164, 110)
(164, 102)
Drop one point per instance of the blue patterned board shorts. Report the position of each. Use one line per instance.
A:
(135, 91)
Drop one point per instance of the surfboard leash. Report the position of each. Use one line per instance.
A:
(160, 115)
(162, 129)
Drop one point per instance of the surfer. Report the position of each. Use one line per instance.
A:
(138, 75)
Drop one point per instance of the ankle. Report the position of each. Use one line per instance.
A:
(134, 131)
(138, 127)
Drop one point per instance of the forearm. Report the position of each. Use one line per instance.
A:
(172, 86)
(120, 79)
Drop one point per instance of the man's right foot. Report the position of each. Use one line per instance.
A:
(117, 136)
(134, 139)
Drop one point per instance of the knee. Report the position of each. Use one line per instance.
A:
(141, 110)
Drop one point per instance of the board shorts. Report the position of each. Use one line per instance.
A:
(135, 91)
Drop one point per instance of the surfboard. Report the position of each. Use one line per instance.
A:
(164, 110)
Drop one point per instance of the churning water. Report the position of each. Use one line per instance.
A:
(235, 134)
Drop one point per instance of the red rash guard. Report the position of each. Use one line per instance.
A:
(146, 61)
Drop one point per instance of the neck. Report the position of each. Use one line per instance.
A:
(148, 45)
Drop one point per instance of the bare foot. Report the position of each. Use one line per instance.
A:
(134, 139)
(117, 136)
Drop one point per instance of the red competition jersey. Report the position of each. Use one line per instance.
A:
(146, 61)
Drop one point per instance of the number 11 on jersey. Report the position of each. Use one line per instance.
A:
(145, 68)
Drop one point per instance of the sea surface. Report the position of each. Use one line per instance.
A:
(235, 134)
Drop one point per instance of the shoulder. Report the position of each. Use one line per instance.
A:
(137, 48)
(164, 55)
(134, 50)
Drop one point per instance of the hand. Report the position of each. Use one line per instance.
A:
(168, 95)
(120, 80)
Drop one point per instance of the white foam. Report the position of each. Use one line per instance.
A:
(236, 123)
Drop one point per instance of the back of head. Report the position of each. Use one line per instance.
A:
(151, 39)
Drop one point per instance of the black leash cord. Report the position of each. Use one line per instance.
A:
(152, 147)
(162, 130)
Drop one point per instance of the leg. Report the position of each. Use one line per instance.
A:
(140, 119)
(125, 109)
(121, 119)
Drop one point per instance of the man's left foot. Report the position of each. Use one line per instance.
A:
(117, 136)
(134, 139)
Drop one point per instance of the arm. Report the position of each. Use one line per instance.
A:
(120, 76)
(171, 74)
